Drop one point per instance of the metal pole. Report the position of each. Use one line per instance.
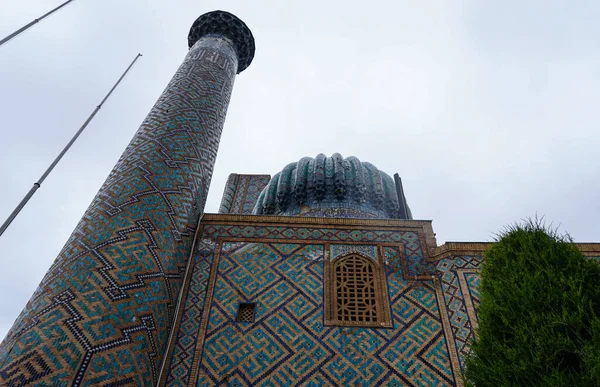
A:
(38, 183)
(17, 32)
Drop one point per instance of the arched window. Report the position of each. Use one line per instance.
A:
(356, 292)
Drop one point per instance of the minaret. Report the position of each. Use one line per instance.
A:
(103, 312)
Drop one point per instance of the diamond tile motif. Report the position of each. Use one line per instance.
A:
(461, 299)
(288, 345)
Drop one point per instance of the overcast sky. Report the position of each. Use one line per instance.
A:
(487, 109)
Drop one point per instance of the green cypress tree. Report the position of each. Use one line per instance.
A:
(539, 316)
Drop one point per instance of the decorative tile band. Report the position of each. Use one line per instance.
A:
(228, 194)
(241, 193)
(366, 250)
(459, 280)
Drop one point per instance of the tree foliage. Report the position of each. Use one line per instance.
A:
(539, 316)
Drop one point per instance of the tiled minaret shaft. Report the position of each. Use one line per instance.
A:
(104, 310)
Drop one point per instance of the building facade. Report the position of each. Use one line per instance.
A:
(297, 283)
(317, 276)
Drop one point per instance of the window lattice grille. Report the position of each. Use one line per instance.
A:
(355, 290)
(246, 313)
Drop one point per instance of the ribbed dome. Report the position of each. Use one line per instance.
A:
(331, 187)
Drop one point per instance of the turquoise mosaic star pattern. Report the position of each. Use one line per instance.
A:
(103, 312)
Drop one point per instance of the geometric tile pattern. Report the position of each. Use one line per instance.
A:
(460, 278)
(460, 284)
(366, 250)
(241, 193)
(104, 310)
(415, 265)
(228, 194)
(281, 269)
(288, 345)
(313, 233)
(472, 280)
(185, 343)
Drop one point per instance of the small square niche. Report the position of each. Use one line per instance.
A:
(246, 311)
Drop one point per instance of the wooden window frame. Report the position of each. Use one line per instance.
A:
(382, 302)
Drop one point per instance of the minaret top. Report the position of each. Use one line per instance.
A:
(228, 25)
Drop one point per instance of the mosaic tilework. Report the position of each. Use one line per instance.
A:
(366, 250)
(279, 267)
(241, 193)
(307, 233)
(252, 186)
(332, 209)
(103, 312)
(415, 266)
(330, 187)
(460, 278)
(454, 289)
(228, 193)
(288, 344)
(469, 285)
(460, 283)
(185, 342)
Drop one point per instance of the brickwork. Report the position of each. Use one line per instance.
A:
(459, 277)
(279, 263)
(241, 193)
(103, 312)
(281, 268)
(228, 194)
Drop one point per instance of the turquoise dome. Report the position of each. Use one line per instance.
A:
(331, 187)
